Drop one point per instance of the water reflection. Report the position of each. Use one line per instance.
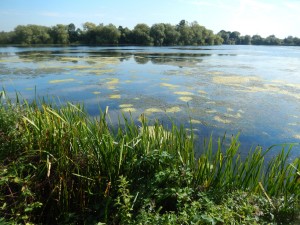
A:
(173, 61)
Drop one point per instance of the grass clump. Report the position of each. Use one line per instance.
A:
(59, 166)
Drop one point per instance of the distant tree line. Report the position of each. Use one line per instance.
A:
(159, 34)
(235, 38)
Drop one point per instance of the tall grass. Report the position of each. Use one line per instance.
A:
(60, 165)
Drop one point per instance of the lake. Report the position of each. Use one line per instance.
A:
(254, 90)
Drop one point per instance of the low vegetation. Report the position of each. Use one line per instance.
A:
(59, 166)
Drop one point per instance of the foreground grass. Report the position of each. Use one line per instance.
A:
(59, 166)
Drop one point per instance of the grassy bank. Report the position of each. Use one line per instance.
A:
(59, 166)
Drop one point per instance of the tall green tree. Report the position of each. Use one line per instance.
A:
(257, 40)
(32, 34)
(171, 35)
(73, 33)
(107, 34)
(186, 33)
(209, 37)
(199, 34)
(245, 40)
(288, 40)
(88, 35)
(125, 36)
(157, 33)
(234, 38)
(141, 34)
(296, 41)
(218, 40)
(272, 40)
(60, 34)
(225, 36)
(6, 37)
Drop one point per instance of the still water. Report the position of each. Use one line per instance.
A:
(254, 90)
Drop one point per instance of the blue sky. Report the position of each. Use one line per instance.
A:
(264, 17)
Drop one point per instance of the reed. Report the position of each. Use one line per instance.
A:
(60, 165)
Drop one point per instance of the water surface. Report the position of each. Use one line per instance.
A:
(254, 90)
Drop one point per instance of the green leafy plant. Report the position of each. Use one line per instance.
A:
(58, 165)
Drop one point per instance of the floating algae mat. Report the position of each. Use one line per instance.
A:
(183, 93)
(171, 86)
(153, 110)
(219, 89)
(185, 98)
(113, 81)
(61, 81)
(174, 109)
(115, 96)
(128, 109)
(125, 105)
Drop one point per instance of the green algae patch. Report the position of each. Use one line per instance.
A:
(115, 96)
(125, 105)
(222, 120)
(297, 136)
(202, 92)
(171, 86)
(185, 98)
(78, 67)
(211, 102)
(61, 81)
(236, 116)
(129, 109)
(153, 110)
(173, 109)
(112, 81)
(112, 87)
(216, 73)
(211, 111)
(102, 71)
(234, 80)
(71, 59)
(193, 121)
(271, 88)
(183, 93)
